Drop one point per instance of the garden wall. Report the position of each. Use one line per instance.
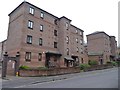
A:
(49, 72)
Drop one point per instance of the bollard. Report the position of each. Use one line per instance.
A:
(17, 74)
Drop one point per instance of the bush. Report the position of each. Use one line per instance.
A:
(24, 67)
(118, 63)
(92, 62)
(84, 66)
(114, 63)
(42, 68)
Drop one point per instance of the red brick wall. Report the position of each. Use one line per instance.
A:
(56, 71)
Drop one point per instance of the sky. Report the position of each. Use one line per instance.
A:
(88, 15)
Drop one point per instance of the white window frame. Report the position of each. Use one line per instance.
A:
(67, 51)
(42, 15)
(29, 39)
(77, 40)
(67, 40)
(67, 25)
(31, 10)
(28, 56)
(41, 27)
(81, 41)
(30, 24)
(40, 41)
(76, 31)
(77, 49)
(81, 50)
(80, 33)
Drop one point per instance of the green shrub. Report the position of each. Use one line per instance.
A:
(42, 68)
(118, 63)
(24, 67)
(92, 62)
(114, 63)
(84, 66)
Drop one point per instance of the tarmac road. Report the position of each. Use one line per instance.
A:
(107, 78)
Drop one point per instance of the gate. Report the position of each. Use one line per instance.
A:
(7, 62)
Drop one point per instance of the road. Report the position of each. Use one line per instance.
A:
(107, 78)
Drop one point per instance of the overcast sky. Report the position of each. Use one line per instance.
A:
(89, 15)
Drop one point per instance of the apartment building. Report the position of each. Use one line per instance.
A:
(43, 39)
(113, 45)
(101, 47)
(118, 52)
(2, 49)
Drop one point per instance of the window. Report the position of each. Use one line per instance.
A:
(39, 56)
(67, 25)
(28, 56)
(30, 24)
(67, 51)
(76, 31)
(29, 39)
(55, 21)
(55, 44)
(81, 51)
(67, 40)
(77, 59)
(55, 32)
(81, 41)
(82, 61)
(31, 10)
(41, 27)
(40, 41)
(77, 49)
(80, 33)
(77, 40)
(42, 15)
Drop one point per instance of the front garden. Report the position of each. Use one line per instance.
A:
(44, 71)
(93, 65)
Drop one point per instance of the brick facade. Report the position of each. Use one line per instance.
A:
(102, 43)
(53, 41)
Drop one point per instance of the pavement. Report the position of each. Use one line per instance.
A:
(12, 81)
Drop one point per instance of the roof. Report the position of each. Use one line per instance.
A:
(77, 28)
(65, 18)
(33, 6)
(43, 11)
(97, 32)
(69, 58)
(54, 53)
(3, 41)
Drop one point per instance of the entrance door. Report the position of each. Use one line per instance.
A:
(10, 68)
(101, 61)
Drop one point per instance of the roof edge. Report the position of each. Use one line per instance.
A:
(33, 6)
(77, 28)
(97, 33)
